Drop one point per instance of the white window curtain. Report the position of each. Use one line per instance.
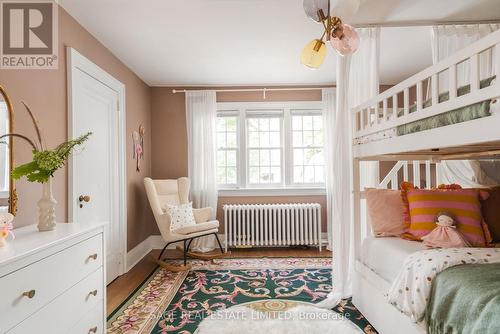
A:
(329, 120)
(357, 81)
(201, 116)
(445, 41)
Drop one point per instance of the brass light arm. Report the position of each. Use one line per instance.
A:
(323, 36)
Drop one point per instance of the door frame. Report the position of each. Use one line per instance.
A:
(77, 62)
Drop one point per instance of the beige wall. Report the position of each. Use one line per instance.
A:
(45, 92)
(168, 122)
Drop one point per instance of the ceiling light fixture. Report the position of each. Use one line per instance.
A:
(343, 37)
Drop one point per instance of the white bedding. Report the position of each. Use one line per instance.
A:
(386, 256)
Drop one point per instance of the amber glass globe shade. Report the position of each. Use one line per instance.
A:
(313, 54)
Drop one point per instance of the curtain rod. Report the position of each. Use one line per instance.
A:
(404, 24)
(263, 90)
(248, 89)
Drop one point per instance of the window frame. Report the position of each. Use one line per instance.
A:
(264, 114)
(303, 112)
(237, 149)
(243, 186)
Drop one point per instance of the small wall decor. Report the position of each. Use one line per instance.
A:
(6, 227)
(138, 149)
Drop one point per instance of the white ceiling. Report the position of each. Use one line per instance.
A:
(255, 42)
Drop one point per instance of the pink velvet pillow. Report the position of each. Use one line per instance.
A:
(385, 210)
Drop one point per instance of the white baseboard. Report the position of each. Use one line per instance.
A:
(137, 253)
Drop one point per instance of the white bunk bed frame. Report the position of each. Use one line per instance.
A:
(473, 139)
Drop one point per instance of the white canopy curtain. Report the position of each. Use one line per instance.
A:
(357, 81)
(363, 85)
(445, 41)
(201, 116)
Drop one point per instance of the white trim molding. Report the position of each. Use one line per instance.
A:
(78, 62)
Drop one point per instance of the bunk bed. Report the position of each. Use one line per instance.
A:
(461, 122)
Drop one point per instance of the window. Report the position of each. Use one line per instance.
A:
(227, 150)
(270, 145)
(308, 152)
(264, 150)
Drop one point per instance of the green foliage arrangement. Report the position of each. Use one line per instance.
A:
(45, 162)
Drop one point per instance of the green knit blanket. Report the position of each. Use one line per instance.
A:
(465, 299)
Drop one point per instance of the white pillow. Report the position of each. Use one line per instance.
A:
(180, 215)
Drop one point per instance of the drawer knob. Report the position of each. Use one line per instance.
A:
(93, 330)
(93, 256)
(30, 294)
(93, 293)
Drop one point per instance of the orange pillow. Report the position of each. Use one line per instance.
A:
(464, 204)
(405, 186)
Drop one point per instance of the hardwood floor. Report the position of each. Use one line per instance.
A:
(124, 285)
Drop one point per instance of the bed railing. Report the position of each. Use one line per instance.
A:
(423, 174)
(401, 172)
(393, 107)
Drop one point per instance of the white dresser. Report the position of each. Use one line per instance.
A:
(53, 282)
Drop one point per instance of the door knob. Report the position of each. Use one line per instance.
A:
(84, 198)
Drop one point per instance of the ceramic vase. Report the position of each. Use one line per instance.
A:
(47, 208)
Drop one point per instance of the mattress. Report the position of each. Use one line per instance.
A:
(385, 256)
(464, 114)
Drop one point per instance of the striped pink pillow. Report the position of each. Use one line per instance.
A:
(464, 204)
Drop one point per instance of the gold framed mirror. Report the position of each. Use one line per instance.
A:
(8, 194)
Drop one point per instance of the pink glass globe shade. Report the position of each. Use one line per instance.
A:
(348, 44)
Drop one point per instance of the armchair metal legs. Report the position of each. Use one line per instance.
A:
(218, 241)
(187, 253)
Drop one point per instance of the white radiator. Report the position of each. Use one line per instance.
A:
(272, 225)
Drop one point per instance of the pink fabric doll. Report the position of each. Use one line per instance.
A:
(6, 227)
(445, 235)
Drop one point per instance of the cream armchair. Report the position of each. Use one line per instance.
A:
(175, 192)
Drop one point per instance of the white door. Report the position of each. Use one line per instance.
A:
(95, 170)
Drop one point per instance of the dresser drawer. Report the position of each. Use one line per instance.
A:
(29, 289)
(64, 312)
(92, 323)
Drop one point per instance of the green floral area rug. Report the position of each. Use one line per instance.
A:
(168, 302)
